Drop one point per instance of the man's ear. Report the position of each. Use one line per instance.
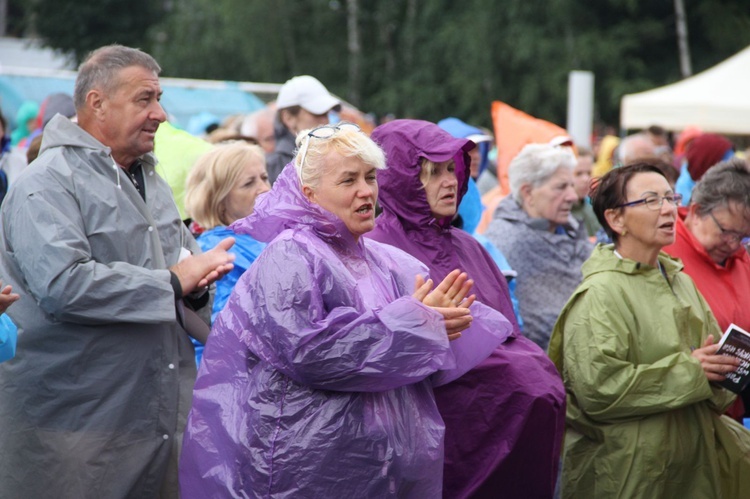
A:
(309, 193)
(95, 102)
(693, 210)
(615, 219)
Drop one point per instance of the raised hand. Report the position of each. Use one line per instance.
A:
(198, 271)
(714, 366)
(451, 292)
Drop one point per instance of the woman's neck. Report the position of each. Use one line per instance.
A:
(638, 253)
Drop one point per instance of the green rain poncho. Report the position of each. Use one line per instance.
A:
(642, 419)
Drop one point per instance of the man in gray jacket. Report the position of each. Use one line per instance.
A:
(95, 401)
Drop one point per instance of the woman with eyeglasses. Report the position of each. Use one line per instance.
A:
(535, 229)
(709, 235)
(635, 346)
(317, 378)
(509, 411)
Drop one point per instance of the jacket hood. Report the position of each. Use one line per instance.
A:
(29, 110)
(603, 259)
(405, 143)
(509, 209)
(462, 130)
(285, 207)
(61, 132)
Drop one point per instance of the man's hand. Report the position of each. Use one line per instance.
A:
(198, 271)
(7, 297)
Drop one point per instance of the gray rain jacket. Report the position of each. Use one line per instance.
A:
(94, 404)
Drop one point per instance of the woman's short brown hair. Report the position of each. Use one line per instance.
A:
(611, 190)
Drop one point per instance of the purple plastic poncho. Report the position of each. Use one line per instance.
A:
(504, 419)
(317, 378)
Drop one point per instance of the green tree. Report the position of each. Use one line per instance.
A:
(80, 27)
(414, 58)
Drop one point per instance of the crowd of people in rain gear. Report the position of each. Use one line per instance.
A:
(302, 303)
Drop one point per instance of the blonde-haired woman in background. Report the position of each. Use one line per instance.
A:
(222, 188)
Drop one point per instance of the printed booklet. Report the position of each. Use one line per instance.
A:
(736, 342)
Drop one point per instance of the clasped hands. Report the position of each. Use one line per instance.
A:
(450, 298)
(715, 367)
(198, 271)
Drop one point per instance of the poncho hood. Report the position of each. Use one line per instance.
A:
(509, 209)
(462, 130)
(405, 143)
(407, 221)
(602, 260)
(286, 207)
(65, 133)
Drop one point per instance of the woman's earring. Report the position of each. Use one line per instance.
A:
(624, 233)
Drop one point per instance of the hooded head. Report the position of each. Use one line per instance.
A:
(705, 151)
(58, 103)
(406, 144)
(25, 116)
(462, 130)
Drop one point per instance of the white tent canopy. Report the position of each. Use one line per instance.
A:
(716, 100)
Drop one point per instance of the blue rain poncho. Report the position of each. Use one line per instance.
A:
(8, 338)
(317, 378)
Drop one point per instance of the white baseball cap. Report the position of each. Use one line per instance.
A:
(308, 93)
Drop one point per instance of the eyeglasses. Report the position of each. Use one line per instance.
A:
(655, 202)
(730, 236)
(325, 132)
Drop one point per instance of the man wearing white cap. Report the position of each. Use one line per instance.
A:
(303, 103)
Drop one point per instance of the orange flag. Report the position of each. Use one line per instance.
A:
(513, 130)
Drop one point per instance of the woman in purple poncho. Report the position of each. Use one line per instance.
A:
(317, 378)
(505, 418)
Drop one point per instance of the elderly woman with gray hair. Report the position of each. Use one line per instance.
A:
(709, 239)
(536, 232)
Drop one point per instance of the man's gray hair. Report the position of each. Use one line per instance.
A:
(724, 183)
(635, 147)
(535, 164)
(101, 67)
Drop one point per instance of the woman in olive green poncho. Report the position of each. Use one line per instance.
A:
(635, 347)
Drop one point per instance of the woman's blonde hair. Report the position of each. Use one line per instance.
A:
(347, 143)
(212, 178)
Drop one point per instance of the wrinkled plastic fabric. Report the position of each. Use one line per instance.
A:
(643, 420)
(245, 251)
(94, 402)
(317, 378)
(505, 418)
(8, 338)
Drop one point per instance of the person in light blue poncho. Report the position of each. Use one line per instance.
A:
(222, 188)
(470, 210)
(8, 330)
